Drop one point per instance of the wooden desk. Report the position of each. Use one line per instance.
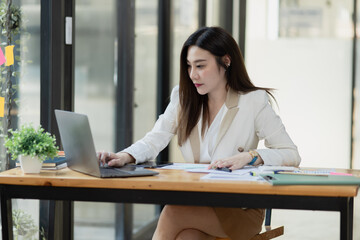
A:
(173, 187)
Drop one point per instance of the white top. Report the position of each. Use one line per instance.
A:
(208, 142)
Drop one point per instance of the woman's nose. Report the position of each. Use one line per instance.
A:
(192, 74)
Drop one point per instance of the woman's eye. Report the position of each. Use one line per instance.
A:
(200, 66)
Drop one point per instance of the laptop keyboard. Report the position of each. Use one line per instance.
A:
(111, 172)
(125, 171)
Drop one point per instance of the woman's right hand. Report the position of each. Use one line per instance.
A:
(115, 159)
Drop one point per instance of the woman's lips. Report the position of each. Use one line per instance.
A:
(197, 84)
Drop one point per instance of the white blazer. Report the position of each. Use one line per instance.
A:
(249, 118)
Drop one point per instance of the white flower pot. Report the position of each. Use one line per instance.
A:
(30, 164)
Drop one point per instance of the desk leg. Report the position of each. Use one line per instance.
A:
(351, 217)
(346, 220)
(56, 219)
(6, 216)
(124, 221)
(46, 219)
(68, 220)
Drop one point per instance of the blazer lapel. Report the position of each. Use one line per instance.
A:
(232, 101)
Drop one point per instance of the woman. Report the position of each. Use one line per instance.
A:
(219, 117)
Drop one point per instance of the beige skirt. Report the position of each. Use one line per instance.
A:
(241, 224)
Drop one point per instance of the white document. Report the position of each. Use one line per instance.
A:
(203, 168)
(232, 177)
(265, 168)
(243, 171)
(186, 166)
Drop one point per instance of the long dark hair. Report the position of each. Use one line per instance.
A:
(219, 43)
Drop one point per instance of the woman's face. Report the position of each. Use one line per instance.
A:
(208, 77)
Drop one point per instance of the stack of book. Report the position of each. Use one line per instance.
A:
(54, 163)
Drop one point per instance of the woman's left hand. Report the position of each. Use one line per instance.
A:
(235, 162)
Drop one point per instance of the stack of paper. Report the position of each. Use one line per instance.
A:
(240, 174)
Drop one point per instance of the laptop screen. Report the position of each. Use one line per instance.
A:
(77, 141)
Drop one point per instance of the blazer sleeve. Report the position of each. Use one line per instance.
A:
(159, 137)
(269, 127)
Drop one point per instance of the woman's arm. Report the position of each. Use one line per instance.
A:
(268, 126)
(237, 161)
(280, 148)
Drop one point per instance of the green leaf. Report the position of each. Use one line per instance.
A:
(30, 141)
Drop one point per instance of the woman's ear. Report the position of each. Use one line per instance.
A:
(227, 60)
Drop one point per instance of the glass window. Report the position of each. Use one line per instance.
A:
(356, 121)
(27, 97)
(356, 127)
(304, 50)
(95, 35)
(145, 74)
(95, 32)
(325, 19)
(29, 81)
(185, 22)
(213, 12)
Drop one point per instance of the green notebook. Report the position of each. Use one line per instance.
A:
(296, 179)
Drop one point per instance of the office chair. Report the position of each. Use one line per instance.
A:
(268, 233)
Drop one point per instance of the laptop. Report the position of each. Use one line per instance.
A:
(80, 151)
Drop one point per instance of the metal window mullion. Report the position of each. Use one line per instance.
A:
(52, 97)
(47, 100)
(69, 61)
(125, 74)
(353, 84)
(226, 15)
(67, 207)
(163, 64)
(45, 62)
(124, 102)
(242, 26)
(52, 65)
(202, 13)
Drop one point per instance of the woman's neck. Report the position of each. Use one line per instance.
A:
(217, 98)
(215, 102)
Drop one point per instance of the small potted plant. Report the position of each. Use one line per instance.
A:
(32, 146)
